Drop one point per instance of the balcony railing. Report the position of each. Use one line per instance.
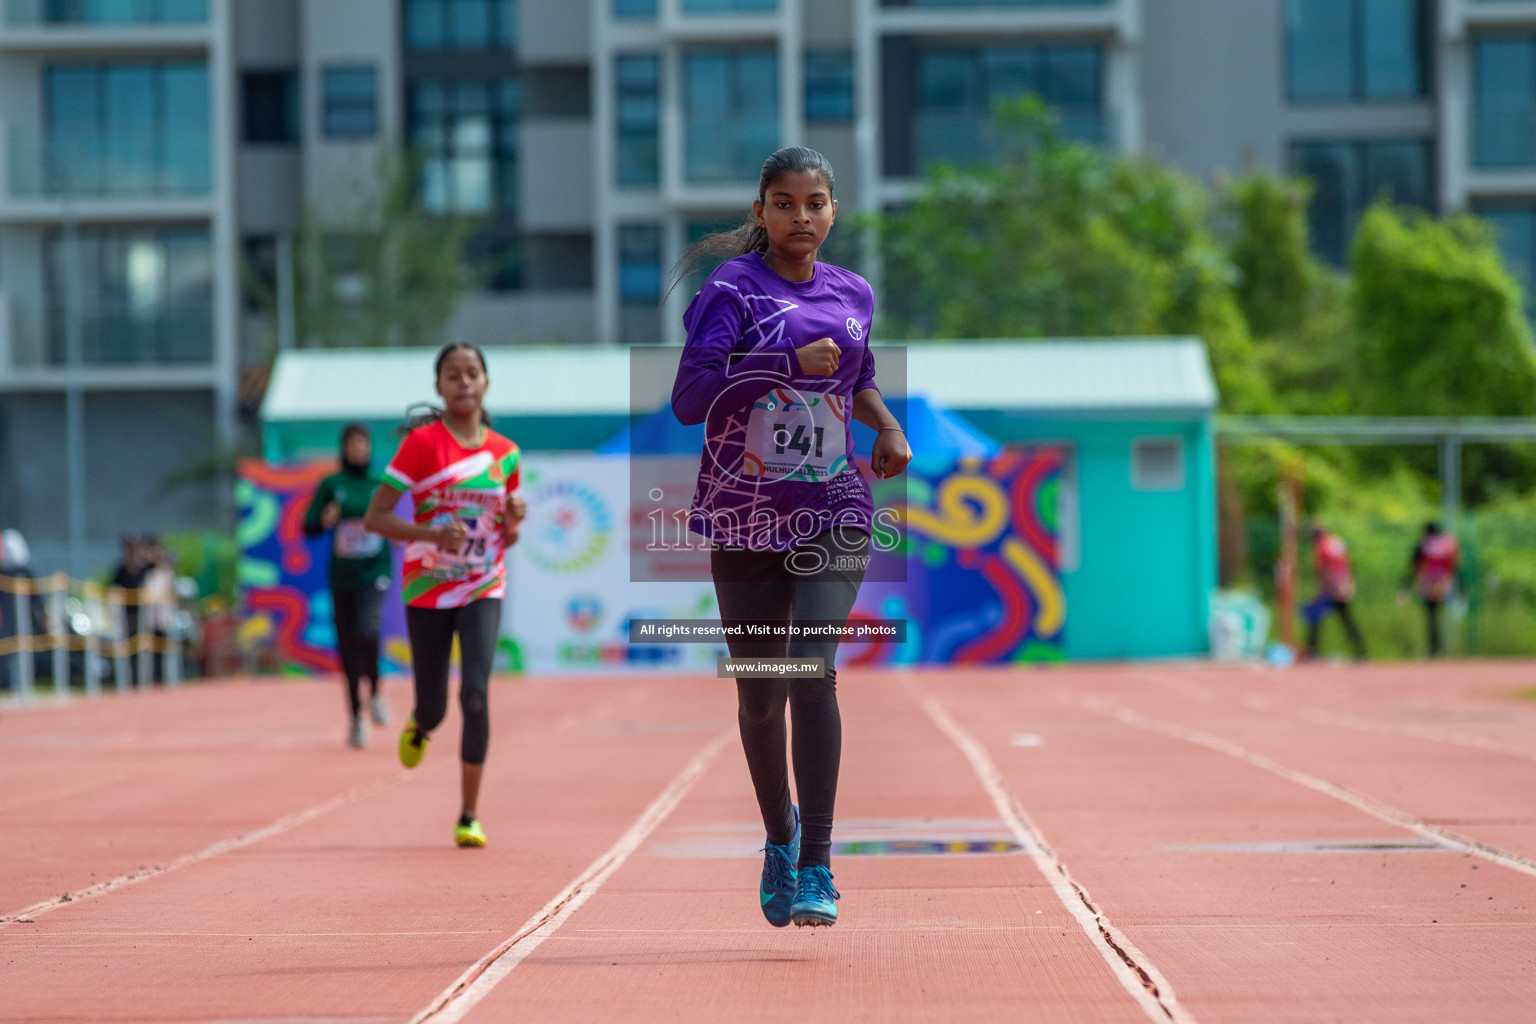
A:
(170, 166)
(105, 13)
(724, 150)
(167, 335)
(970, 139)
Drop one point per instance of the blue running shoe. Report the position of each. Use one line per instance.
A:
(777, 889)
(814, 898)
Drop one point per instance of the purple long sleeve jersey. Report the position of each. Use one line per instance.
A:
(777, 467)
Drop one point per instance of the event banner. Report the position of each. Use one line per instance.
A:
(285, 601)
(570, 598)
(983, 584)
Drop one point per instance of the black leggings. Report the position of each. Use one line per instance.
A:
(358, 614)
(431, 630)
(1355, 639)
(765, 585)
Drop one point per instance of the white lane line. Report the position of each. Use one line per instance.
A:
(475, 984)
(1434, 733)
(1131, 968)
(1370, 805)
(29, 914)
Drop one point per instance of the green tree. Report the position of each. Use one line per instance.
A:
(1058, 239)
(372, 268)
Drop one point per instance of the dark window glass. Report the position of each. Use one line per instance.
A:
(259, 272)
(634, 8)
(829, 87)
(639, 284)
(501, 259)
(351, 103)
(466, 131)
(1515, 229)
(271, 104)
(637, 80)
(995, 3)
(124, 12)
(729, 6)
(1356, 50)
(1348, 176)
(460, 24)
(731, 109)
(146, 296)
(1504, 102)
(959, 91)
(127, 129)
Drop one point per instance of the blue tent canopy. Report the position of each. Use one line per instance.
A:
(932, 431)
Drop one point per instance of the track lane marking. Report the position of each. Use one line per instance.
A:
(1136, 974)
(1370, 805)
(476, 983)
(29, 914)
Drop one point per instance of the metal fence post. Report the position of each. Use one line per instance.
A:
(21, 604)
(92, 653)
(58, 635)
(120, 642)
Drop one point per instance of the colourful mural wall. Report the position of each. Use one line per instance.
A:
(285, 602)
(983, 584)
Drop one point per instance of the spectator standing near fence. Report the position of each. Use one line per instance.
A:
(1433, 567)
(1336, 589)
(129, 577)
(360, 572)
(16, 602)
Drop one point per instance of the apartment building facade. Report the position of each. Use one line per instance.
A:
(153, 152)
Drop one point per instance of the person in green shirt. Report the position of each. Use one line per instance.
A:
(361, 568)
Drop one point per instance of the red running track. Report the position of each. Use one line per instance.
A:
(1183, 844)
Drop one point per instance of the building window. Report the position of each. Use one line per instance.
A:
(1360, 51)
(729, 6)
(125, 12)
(959, 91)
(271, 106)
(731, 102)
(634, 8)
(994, 3)
(639, 284)
(258, 272)
(146, 296)
(637, 80)
(351, 103)
(1348, 176)
(432, 25)
(828, 87)
(1514, 227)
(127, 129)
(466, 131)
(1504, 102)
(1157, 464)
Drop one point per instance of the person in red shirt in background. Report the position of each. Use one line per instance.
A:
(1336, 582)
(1434, 565)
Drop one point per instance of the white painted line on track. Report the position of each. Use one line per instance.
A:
(1131, 968)
(475, 984)
(281, 825)
(1370, 805)
(1410, 730)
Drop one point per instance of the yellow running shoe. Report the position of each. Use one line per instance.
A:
(412, 744)
(469, 835)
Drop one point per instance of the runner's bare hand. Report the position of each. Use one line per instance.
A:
(330, 515)
(819, 358)
(890, 454)
(450, 537)
(517, 508)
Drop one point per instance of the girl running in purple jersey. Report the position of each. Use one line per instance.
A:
(777, 365)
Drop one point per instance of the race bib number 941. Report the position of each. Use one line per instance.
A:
(796, 435)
